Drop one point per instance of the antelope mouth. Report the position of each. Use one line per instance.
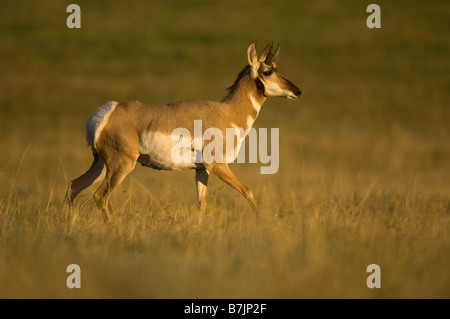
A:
(293, 95)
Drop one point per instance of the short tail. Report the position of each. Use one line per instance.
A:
(97, 122)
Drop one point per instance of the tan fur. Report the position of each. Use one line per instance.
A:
(135, 132)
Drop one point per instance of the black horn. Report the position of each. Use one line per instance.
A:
(266, 53)
(269, 57)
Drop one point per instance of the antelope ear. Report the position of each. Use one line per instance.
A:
(253, 60)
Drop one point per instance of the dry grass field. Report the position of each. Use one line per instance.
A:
(364, 174)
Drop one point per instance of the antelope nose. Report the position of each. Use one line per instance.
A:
(298, 92)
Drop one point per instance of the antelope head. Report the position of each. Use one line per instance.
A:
(265, 71)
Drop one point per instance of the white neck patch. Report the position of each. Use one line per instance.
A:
(255, 104)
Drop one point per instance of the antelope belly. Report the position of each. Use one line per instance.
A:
(156, 152)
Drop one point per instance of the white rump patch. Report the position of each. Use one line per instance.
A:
(97, 122)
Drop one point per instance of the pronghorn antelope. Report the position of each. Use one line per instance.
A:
(121, 134)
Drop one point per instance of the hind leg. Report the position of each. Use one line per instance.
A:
(115, 174)
(82, 182)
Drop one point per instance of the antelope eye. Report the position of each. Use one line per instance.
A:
(268, 73)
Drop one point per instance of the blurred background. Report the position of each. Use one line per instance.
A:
(383, 91)
(370, 129)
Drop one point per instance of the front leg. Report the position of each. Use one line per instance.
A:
(201, 180)
(224, 173)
